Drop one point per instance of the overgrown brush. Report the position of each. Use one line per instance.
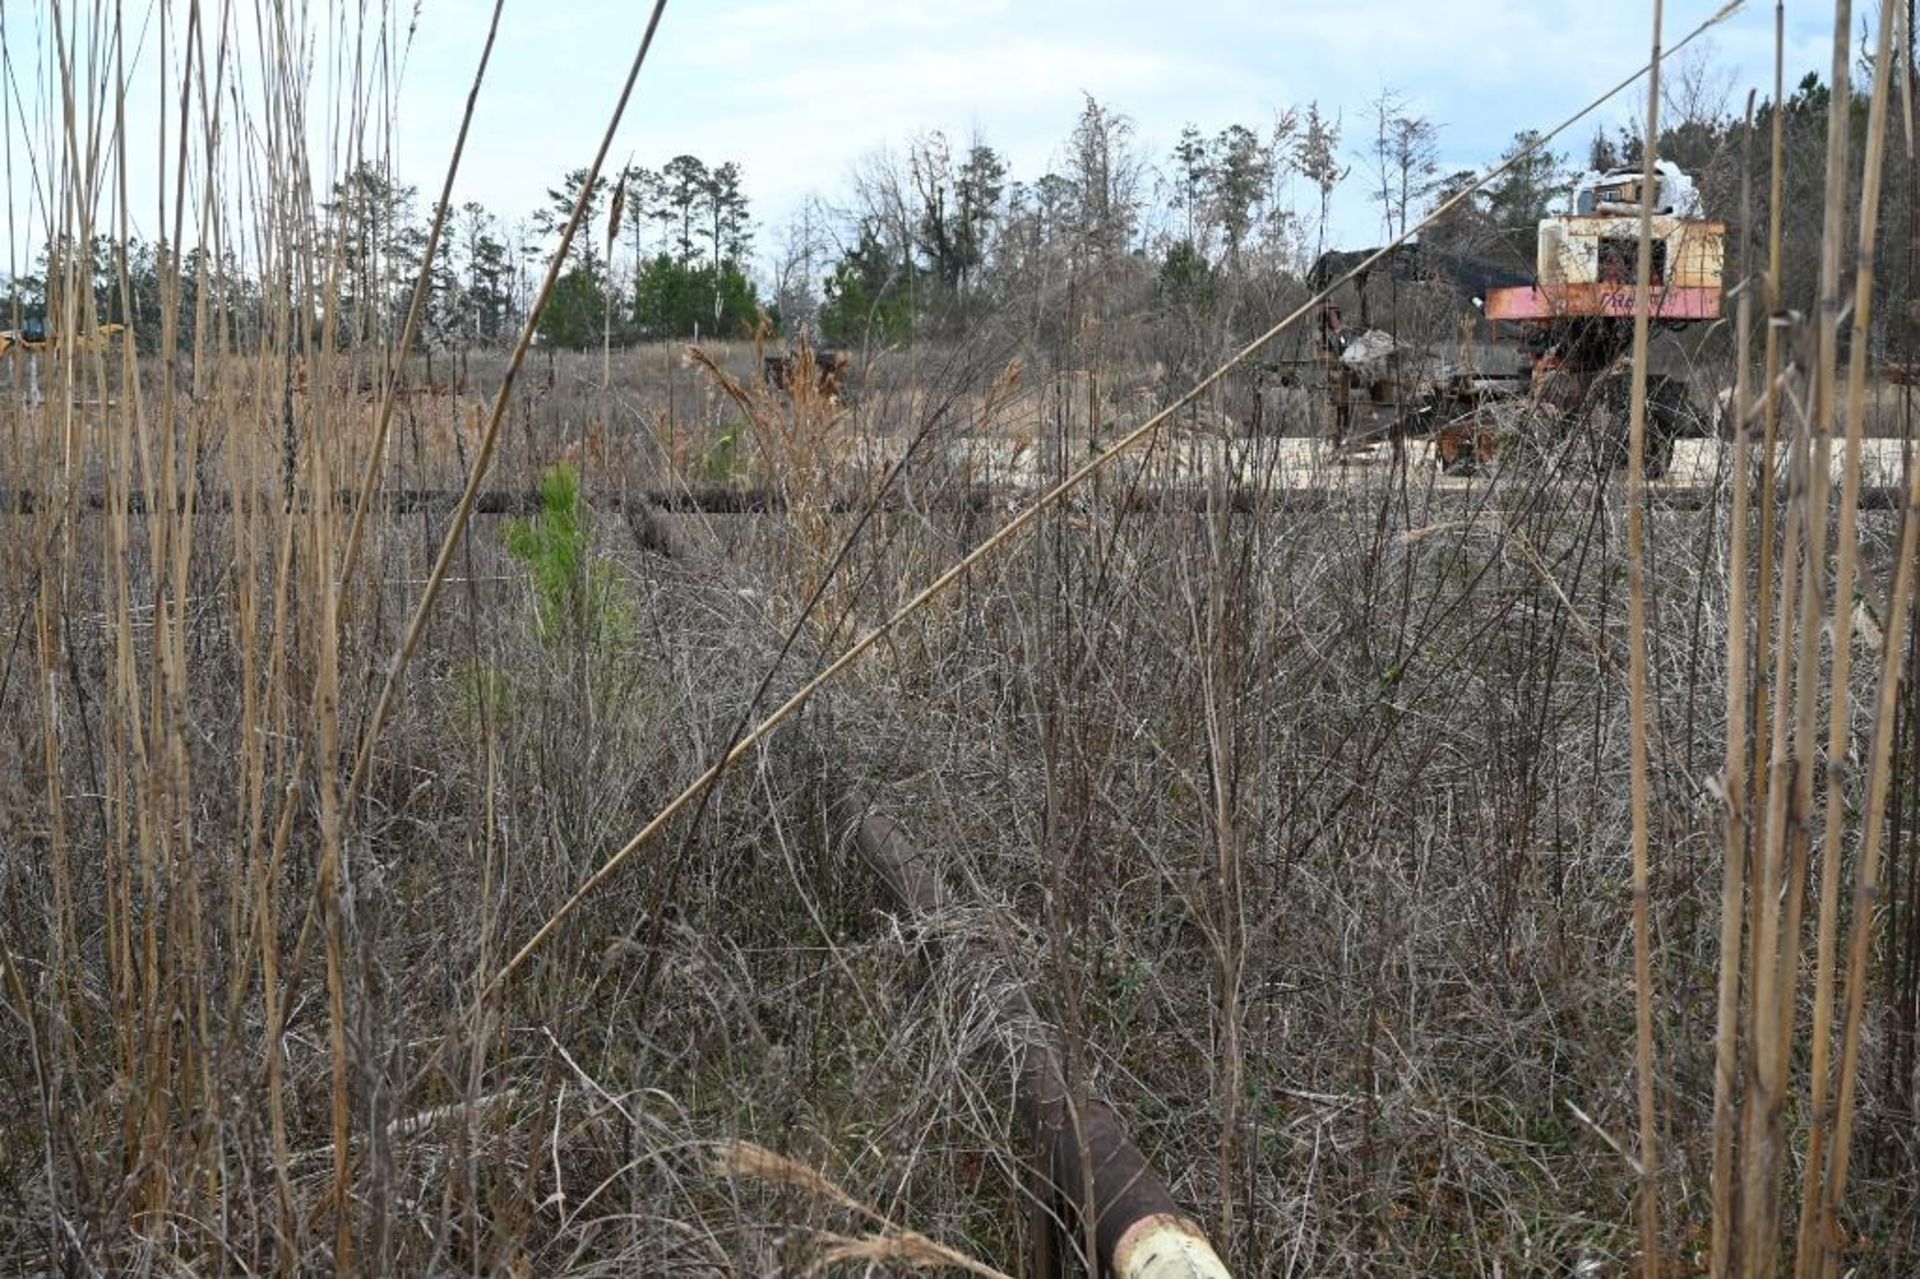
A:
(1378, 853)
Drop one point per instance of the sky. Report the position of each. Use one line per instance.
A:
(798, 91)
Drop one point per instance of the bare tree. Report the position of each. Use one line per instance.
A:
(1107, 173)
(800, 257)
(1405, 159)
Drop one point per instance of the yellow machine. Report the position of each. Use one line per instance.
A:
(36, 338)
(1589, 259)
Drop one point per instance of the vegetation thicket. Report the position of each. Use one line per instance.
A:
(1513, 877)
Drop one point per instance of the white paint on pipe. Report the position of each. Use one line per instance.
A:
(1166, 1247)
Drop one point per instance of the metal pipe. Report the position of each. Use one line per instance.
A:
(726, 500)
(1140, 1231)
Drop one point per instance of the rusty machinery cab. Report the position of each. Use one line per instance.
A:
(1399, 348)
(1576, 318)
(1557, 338)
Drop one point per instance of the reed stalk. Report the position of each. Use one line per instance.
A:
(1733, 779)
(1643, 996)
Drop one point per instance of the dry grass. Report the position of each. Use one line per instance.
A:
(1367, 852)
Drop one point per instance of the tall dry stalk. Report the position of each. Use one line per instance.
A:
(1771, 680)
(1790, 810)
(1733, 780)
(1817, 592)
(1786, 744)
(1771, 395)
(1810, 1255)
(1819, 1244)
(416, 307)
(1649, 1159)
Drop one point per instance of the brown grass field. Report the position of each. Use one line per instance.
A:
(1508, 876)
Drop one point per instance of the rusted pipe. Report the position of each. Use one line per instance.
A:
(711, 498)
(721, 499)
(1140, 1231)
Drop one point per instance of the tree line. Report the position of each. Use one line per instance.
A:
(1189, 253)
(659, 254)
(1186, 252)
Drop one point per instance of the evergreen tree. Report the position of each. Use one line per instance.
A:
(683, 186)
(376, 242)
(675, 299)
(643, 201)
(1316, 157)
(575, 312)
(1239, 176)
(1193, 171)
(866, 297)
(1406, 160)
(487, 277)
(978, 190)
(551, 219)
(1105, 174)
(1524, 194)
(725, 227)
